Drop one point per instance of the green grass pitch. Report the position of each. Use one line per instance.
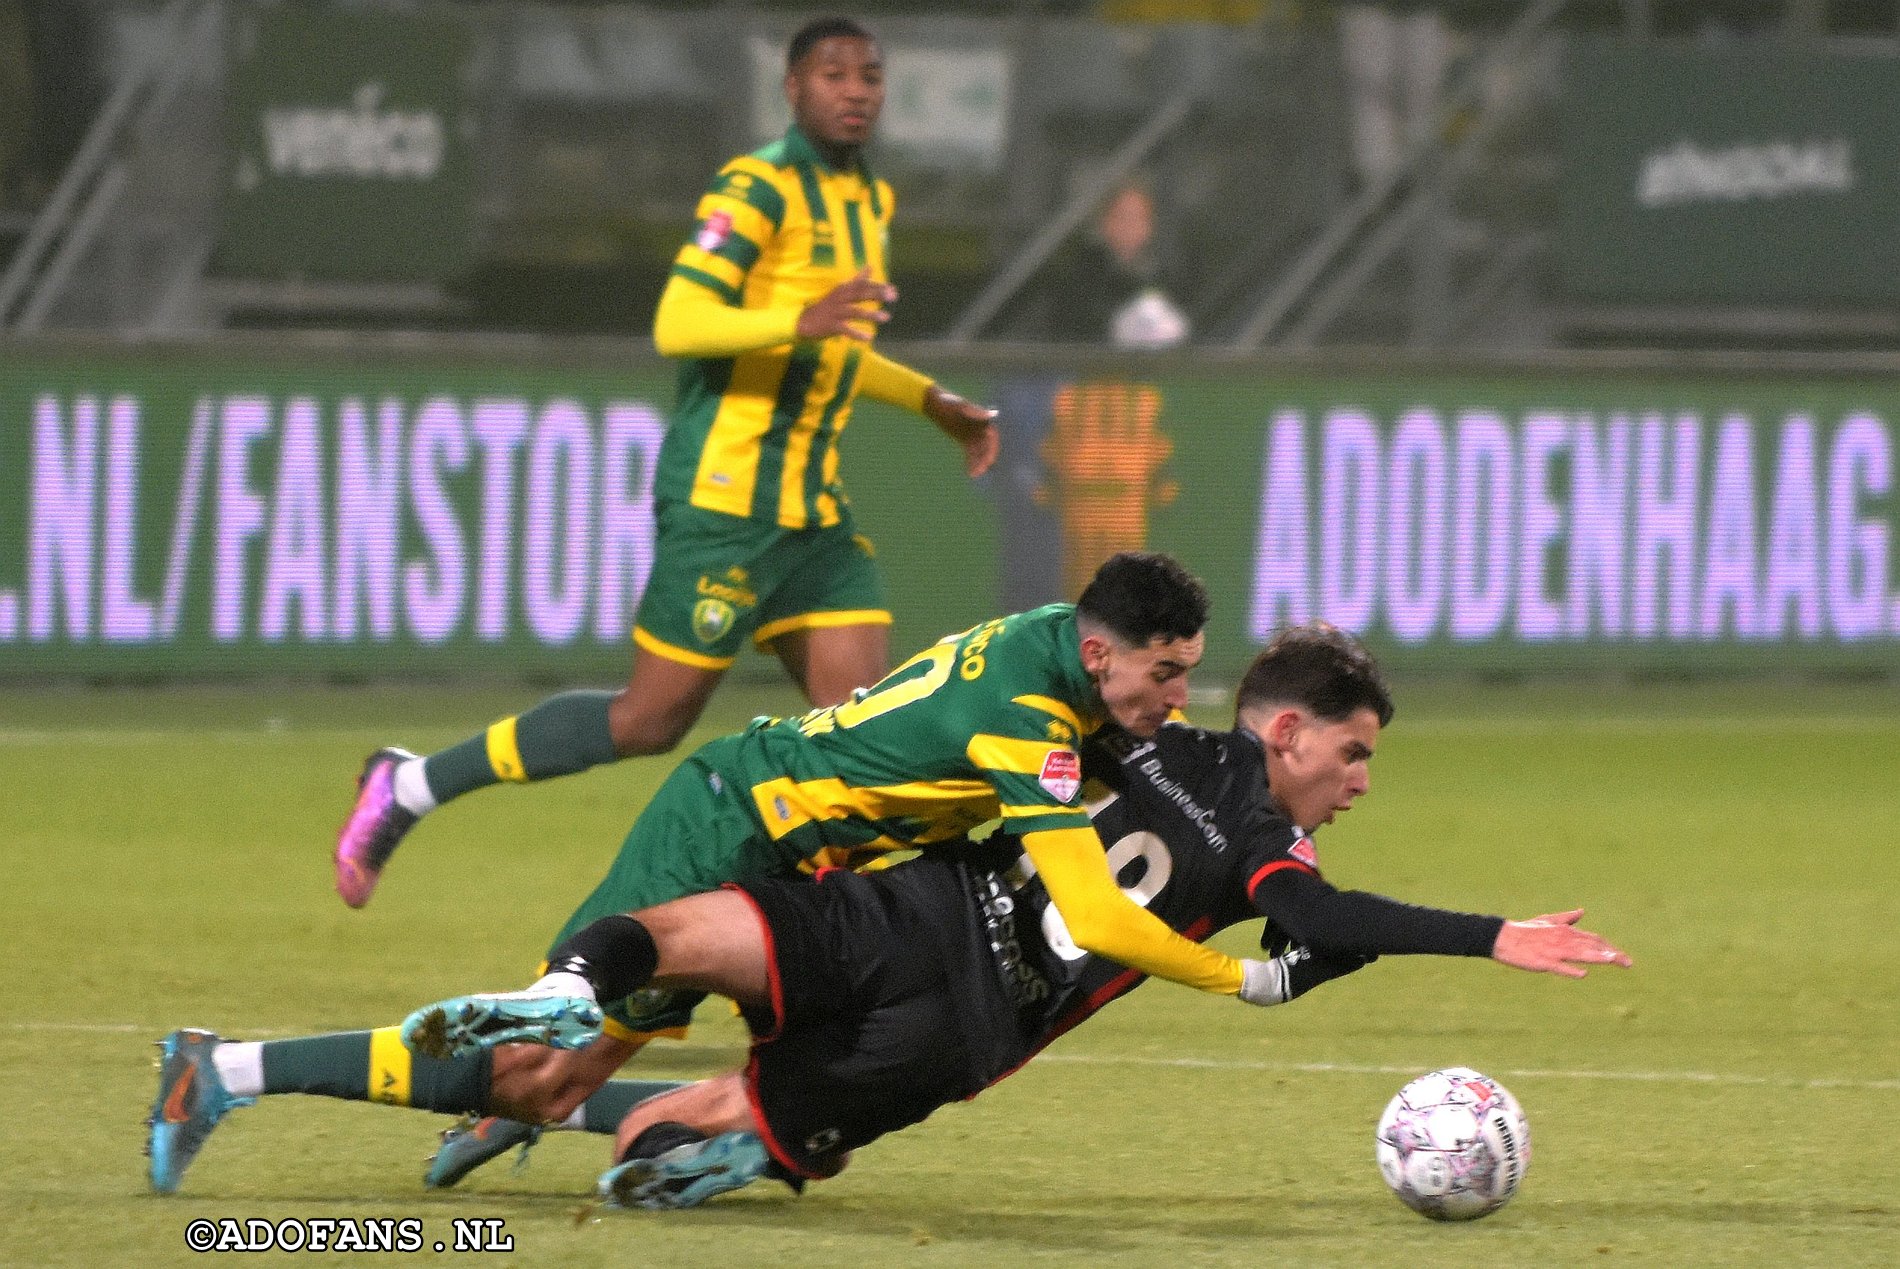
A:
(1732, 1100)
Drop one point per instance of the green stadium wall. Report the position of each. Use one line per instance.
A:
(376, 510)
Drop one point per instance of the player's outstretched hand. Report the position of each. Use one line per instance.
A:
(1552, 944)
(854, 308)
(970, 425)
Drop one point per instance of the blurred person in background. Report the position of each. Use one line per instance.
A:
(771, 309)
(1108, 287)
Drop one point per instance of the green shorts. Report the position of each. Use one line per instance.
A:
(718, 578)
(694, 836)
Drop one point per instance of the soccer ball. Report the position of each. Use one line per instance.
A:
(1453, 1145)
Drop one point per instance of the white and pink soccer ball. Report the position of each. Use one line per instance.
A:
(1453, 1145)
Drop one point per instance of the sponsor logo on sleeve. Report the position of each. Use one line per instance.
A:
(1061, 774)
(713, 233)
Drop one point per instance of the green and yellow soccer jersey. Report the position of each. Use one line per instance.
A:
(756, 435)
(979, 726)
(983, 724)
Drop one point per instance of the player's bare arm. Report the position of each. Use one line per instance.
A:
(970, 425)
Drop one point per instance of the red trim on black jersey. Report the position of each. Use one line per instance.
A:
(1253, 882)
(779, 1153)
(775, 987)
(1122, 982)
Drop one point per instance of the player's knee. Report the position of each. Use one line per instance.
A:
(835, 689)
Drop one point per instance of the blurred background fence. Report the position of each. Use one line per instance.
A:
(1545, 333)
(1464, 174)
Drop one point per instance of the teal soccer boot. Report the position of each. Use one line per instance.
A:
(473, 1141)
(468, 1024)
(191, 1100)
(672, 1166)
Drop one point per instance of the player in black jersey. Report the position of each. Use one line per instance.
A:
(875, 998)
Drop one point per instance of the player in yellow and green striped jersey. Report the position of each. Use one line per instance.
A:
(770, 310)
(983, 725)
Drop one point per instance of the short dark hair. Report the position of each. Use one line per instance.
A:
(1139, 595)
(807, 37)
(1318, 667)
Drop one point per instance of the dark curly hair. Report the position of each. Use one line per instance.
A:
(807, 37)
(1318, 667)
(1138, 595)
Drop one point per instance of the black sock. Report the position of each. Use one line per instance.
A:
(657, 1139)
(616, 955)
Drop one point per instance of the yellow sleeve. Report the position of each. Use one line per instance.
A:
(1103, 920)
(693, 322)
(896, 384)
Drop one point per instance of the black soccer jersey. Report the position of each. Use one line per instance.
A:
(1190, 833)
(957, 959)
(1193, 835)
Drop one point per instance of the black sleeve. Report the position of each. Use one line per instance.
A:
(1305, 908)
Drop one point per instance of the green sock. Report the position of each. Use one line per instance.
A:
(561, 735)
(604, 1110)
(373, 1066)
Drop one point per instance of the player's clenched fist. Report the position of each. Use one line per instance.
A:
(1553, 944)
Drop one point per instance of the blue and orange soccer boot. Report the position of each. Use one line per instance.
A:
(671, 1166)
(472, 1141)
(191, 1100)
(376, 825)
(468, 1024)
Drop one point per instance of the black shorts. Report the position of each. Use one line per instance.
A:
(863, 1035)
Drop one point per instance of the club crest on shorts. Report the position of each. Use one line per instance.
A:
(712, 618)
(1061, 774)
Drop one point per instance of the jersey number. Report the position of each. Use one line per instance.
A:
(1154, 877)
(887, 694)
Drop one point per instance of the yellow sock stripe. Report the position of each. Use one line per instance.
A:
(388, 1067)
(504, 754)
